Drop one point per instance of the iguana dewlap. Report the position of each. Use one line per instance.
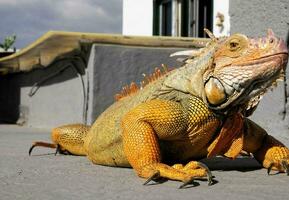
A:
(180, 116)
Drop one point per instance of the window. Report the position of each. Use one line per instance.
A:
(182, 17)
(163, 17)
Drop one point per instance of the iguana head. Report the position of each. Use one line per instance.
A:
(243, 69)
(234, 72)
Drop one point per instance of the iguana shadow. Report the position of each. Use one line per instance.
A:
(242, 164)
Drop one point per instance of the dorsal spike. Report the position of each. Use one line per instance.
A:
(270, 33)
(147, 79)
(159, 73)
(210, 34)
(155, 76)
(133, 87)
(165, 68)
(117, 97)
(152, 77)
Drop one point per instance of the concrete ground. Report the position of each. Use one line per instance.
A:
(45, 176)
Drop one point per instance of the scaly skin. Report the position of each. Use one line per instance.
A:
(196, 111)
(187, 132)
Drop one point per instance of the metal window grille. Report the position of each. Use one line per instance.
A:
(182, 17)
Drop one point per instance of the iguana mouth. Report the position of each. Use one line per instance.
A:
(260, 86)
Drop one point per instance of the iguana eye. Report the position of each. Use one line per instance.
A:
(234, 45)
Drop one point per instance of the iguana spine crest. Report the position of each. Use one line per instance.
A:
(147, 79)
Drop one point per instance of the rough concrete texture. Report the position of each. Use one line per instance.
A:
(45, 176)
(253, 18)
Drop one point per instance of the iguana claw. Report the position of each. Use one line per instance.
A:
(187, 182)
(285, 167)
(209, 173)
(43, 144)
(31, 148)
(153, 177)
(57, 149)
(269, 168)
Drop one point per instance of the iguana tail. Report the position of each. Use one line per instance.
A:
(41, 144)
(68, 139)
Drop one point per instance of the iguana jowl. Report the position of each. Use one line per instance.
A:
(198, 110)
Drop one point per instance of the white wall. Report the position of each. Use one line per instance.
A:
(221, 6)
(137, 17)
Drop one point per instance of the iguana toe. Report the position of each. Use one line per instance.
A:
(187, 182)
(194, 166)
(153, 177)
(209, 173)
(285, 166)
(269, 168)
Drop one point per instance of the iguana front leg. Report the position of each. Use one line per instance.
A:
(271, 153)
(143, 127)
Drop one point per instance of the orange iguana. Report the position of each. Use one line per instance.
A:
(195, 111)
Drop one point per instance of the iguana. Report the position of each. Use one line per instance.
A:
(177, 117)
